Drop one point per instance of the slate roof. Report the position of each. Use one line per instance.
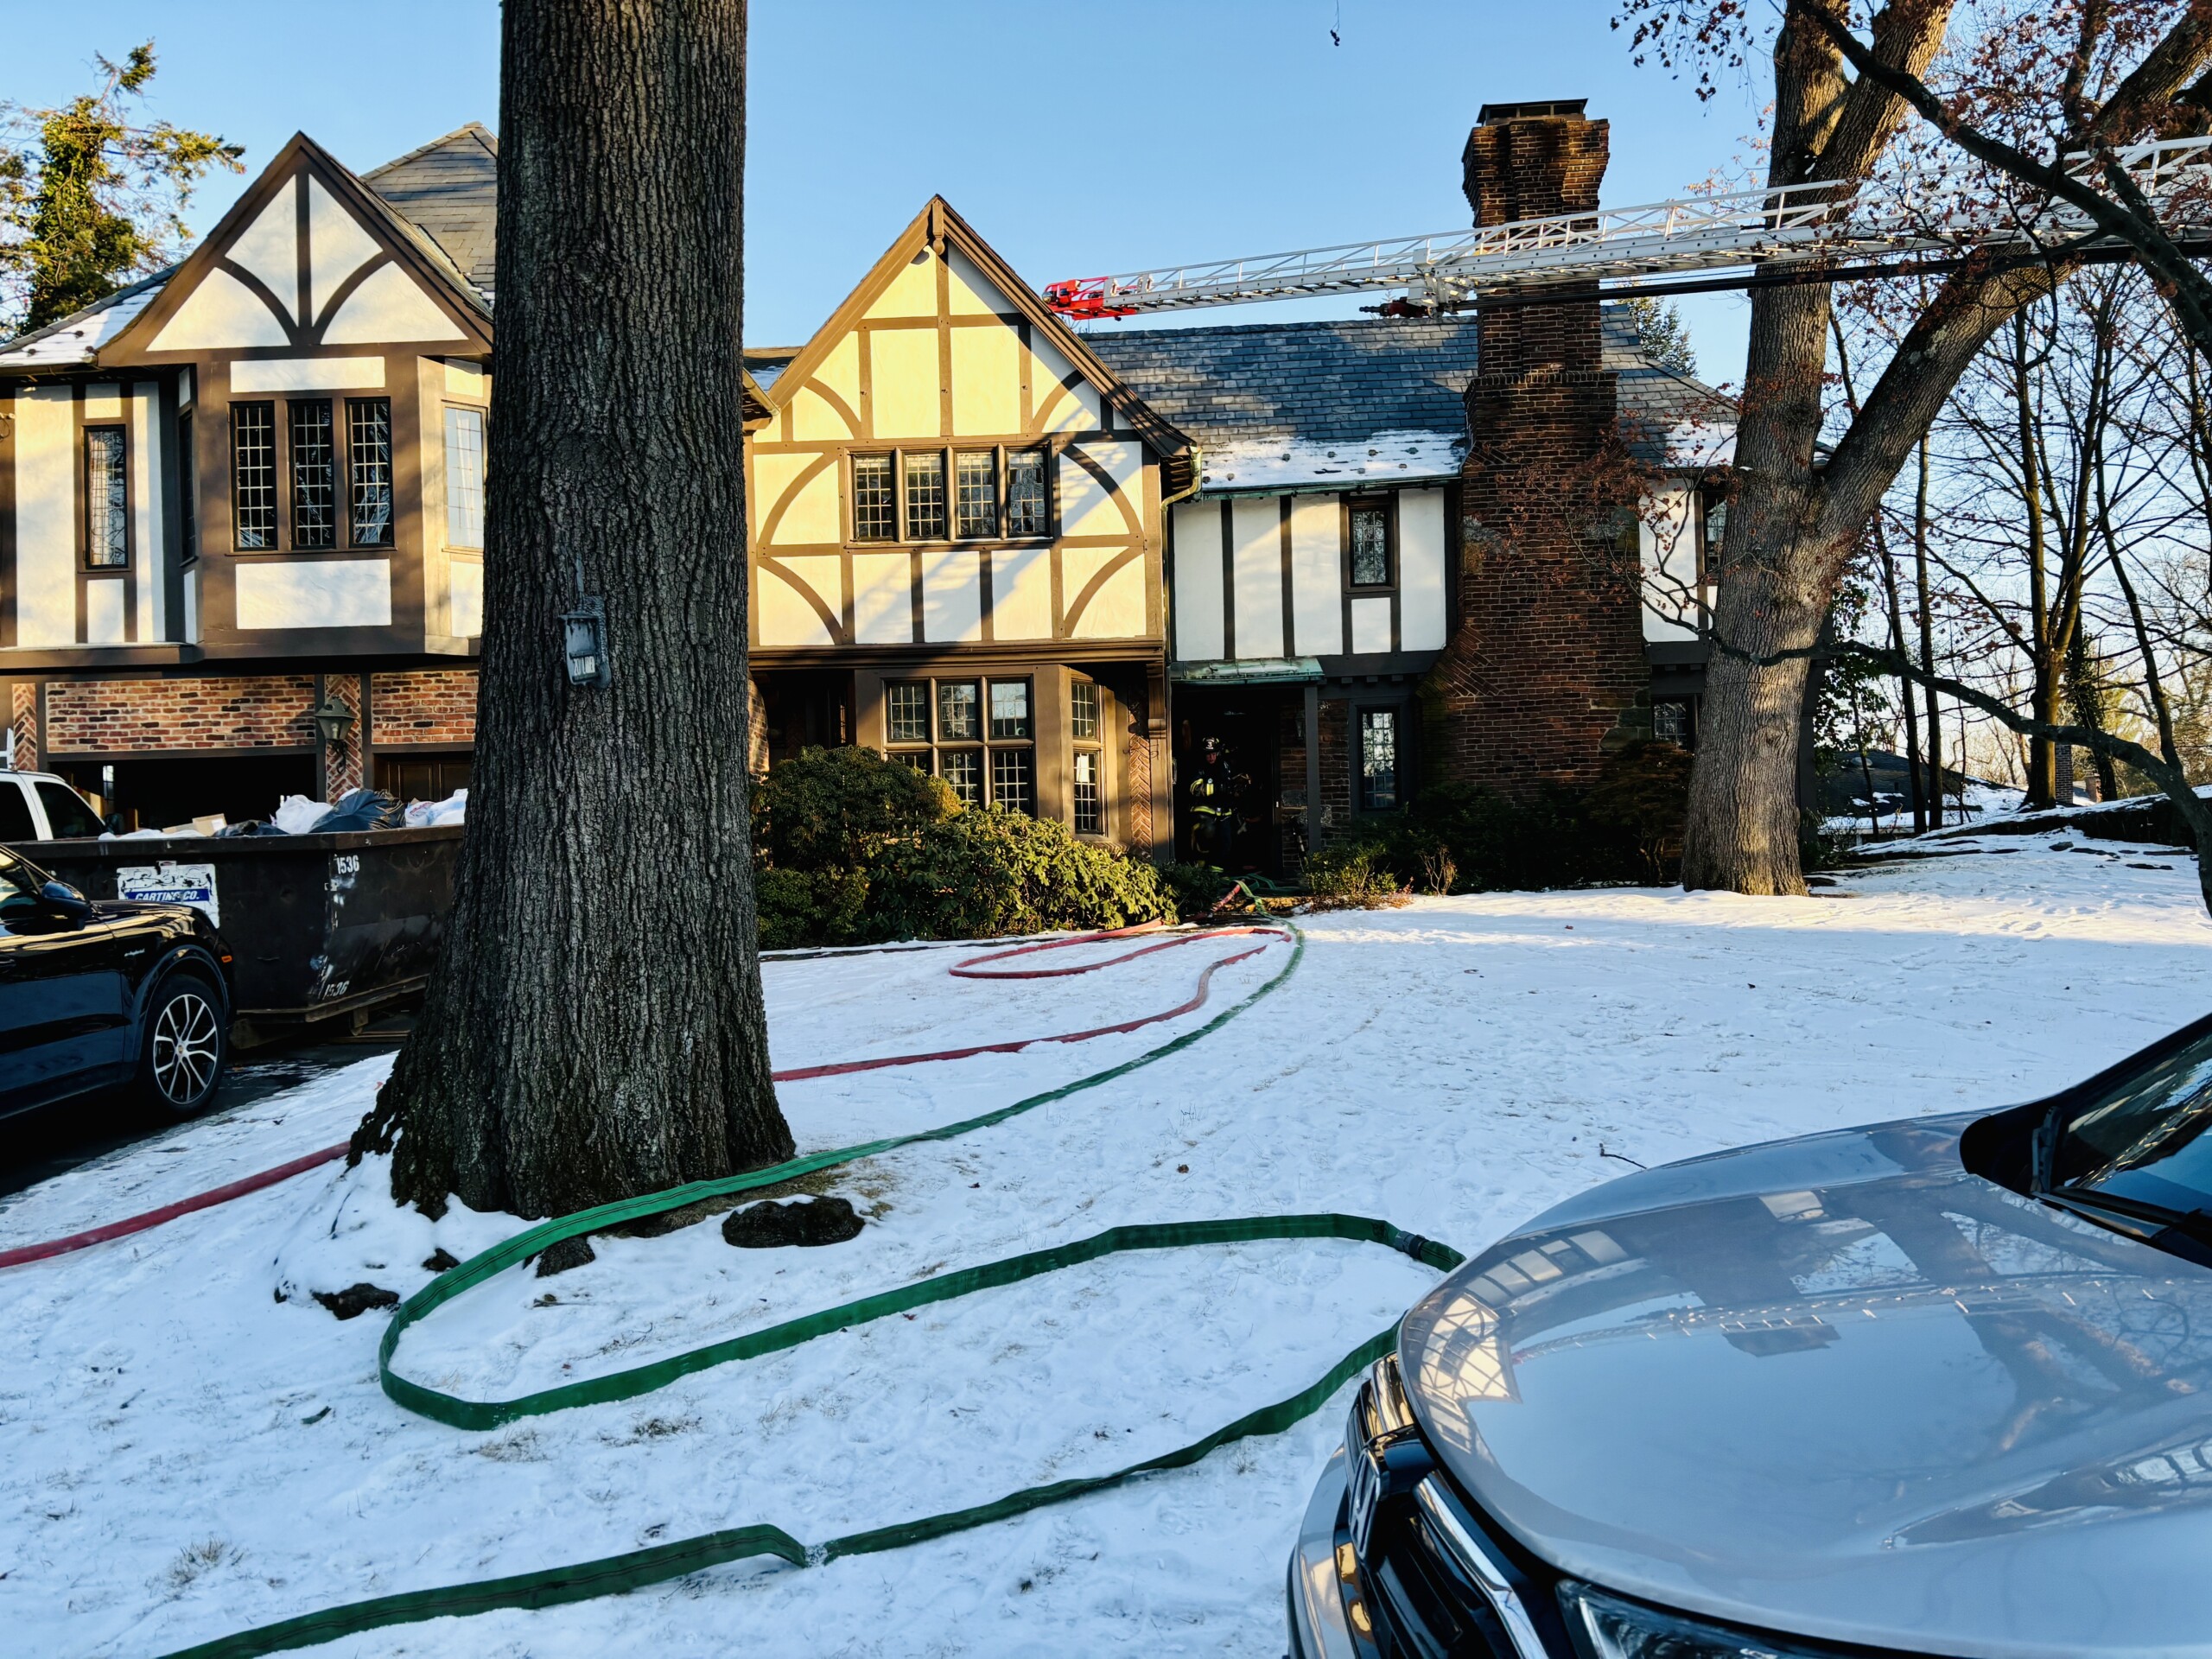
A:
(1330, 383)
(1280, 404)
(448, 189)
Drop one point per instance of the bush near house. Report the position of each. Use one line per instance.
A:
(1625, 827)
(851, 849)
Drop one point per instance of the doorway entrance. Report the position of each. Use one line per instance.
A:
(1230, 743)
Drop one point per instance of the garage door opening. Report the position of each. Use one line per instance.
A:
(157, 794)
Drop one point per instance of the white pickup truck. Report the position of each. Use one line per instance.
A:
(39, 806)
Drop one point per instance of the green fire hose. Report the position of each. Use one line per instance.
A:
(633, 1569)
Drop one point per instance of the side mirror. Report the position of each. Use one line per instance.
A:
(65, 900)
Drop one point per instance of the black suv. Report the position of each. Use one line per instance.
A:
(94, 993)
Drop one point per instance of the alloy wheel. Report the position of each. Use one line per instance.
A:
(188, 1046)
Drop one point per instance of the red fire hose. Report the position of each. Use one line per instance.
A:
(973, 967)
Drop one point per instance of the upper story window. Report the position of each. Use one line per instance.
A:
(977, 483)
(312, 464)
(314, 475)
(107, 499)
(1028, 506)
(187, 492)
(924, 496)
(875, 510)
(368, 457)
(903, 495)
(1370, 545)
(253, 476)
(464, 477)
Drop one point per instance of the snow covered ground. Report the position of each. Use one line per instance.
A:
(189, 1445)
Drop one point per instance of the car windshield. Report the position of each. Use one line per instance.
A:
(2143, 1141)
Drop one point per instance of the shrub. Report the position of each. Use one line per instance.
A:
(832, 808)
(852, 848)
(1353, 874)
(987, 871)
(1643, 796)
(1195, 889)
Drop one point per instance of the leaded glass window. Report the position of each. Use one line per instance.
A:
(368, 456)
(253, 476)
(1370, 545)
(1379, 760)
(1090, 815)
(464, 478)
(314, 475)
(107, 499)
(975, 481)
(962, 772)
(1025, 493)
(1083, 709)
(924, 497)
(1010, 786)
(875, 512)
(1009, 708)
(959, 711)
(906, 711)
(187, 490)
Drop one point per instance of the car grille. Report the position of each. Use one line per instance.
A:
(1421, 1596)
(1420, 1607)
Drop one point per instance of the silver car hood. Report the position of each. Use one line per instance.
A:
(1839, 1386)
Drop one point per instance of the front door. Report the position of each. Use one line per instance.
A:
(1228, 744)
(64, 1017)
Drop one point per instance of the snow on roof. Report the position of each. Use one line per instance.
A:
(1396, 457)
(71, 341)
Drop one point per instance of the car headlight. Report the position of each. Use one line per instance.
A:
(1606, 1627)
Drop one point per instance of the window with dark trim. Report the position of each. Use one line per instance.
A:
(188, 492)
(976, 483)
(925, 480)
(938, 495)
(107, 498)
(1027, 505)
(1379, 760)
(1089, 804)
(1370, 545)
(368, 468)
(314, 475)
(464, 477)
(942, 727)
(876, 510)
(253, 477)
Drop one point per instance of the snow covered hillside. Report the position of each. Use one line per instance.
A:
(189, 1445)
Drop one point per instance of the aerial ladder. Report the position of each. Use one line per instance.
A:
(1823, 233)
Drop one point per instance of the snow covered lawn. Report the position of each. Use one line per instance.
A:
(189, 1445)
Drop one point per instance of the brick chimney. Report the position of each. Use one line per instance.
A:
(1547, 658)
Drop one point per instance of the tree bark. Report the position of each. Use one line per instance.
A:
(595, 1026)
(1928, 637)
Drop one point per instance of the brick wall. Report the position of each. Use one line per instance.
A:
(147, 716)
(1548, 656)
(426, 706)
(22, 726)
(342, 762)
(1335, 767)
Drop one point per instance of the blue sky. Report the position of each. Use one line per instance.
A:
(1078, 139)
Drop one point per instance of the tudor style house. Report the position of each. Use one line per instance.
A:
(957, 547)
(241, 502)
(1223, 592)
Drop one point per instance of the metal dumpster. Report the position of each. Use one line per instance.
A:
(322, 927)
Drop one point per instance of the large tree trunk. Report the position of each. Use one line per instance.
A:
(1742, 828)
(596, 1027)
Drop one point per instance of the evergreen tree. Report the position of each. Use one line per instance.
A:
(1665, 336)
(90, 198)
